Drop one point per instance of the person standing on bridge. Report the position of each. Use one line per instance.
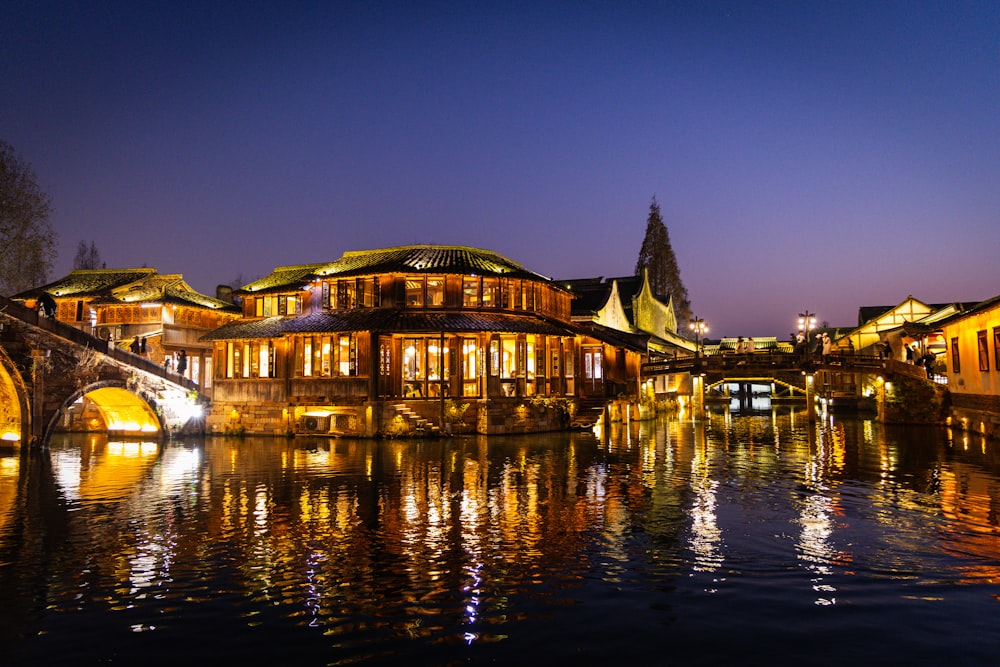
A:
(142, 346)
(134, 345)
(182, 362)
(47, 305)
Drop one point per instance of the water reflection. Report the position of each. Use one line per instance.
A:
(385, 550)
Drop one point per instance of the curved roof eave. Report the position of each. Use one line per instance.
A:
(388, 321)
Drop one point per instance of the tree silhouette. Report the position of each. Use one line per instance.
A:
(27, 241)
(87, 257)
(657, 257)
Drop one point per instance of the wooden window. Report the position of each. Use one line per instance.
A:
(514, 295)
(346, 294)
(470, 367)
(435, 291)
(530, 365)
(326, 356)
(491, 292)
(415, 292)
(956, 361)
(368, 292)
(996, 347)
(237, 361)
(984, 351)
(347, 355)
(470, 291)
(414, 367)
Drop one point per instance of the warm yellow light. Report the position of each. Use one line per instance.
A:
(123, 411)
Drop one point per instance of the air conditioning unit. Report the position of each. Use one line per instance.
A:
(316, 424)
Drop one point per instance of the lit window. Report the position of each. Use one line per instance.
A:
(346, 355)
(470, 367)
(491, 292)
(514, 295)
(415, 292)
(508, 357)
(346, 294)
(435, 292)
(470, 291)
(368, 292)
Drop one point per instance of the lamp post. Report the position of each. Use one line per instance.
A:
(699, 328)
(807, 322)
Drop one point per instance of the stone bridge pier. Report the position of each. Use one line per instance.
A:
(54, 377)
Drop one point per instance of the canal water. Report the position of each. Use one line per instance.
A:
(752, 540)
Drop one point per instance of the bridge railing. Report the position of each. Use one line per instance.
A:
(71, 333)
(779, 361)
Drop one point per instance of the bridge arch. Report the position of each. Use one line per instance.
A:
(122, 411)
(763, 379)
(15, 426)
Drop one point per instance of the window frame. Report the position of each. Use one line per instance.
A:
(996, 348)
(984, 351)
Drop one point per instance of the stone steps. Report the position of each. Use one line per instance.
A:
(418, 425)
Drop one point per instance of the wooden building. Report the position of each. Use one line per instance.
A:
(409, 339)
(972, 356)
(627, 314)
(136, 305)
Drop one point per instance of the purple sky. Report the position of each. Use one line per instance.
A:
(805, 155)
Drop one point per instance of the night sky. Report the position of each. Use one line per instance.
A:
(805, 155)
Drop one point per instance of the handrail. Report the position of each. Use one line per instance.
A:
(71, 333)
(778, 361)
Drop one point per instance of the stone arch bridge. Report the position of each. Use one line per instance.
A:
(847, 380)
(47, 367)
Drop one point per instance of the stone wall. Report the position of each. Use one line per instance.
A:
(976, 413)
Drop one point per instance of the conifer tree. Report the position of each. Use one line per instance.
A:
(657, 257)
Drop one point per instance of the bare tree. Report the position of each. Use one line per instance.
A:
(657, 257)
(27, 241)
(87, 257)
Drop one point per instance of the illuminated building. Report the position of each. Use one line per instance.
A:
(411, 339)
(122, 305)
(972, 357)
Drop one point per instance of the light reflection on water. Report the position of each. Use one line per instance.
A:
(714, 540)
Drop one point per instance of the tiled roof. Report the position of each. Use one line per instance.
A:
(428, 259)
(283, 278)
(402, 259)
(115, 286)
(192, 298)
(638, 342)
(387, 320)
(89, 282)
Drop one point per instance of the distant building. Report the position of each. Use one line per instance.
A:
(126, 305)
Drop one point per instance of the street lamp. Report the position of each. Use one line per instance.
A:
(807, 322)
(699, 328)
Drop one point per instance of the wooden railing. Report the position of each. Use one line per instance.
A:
(71, 333)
